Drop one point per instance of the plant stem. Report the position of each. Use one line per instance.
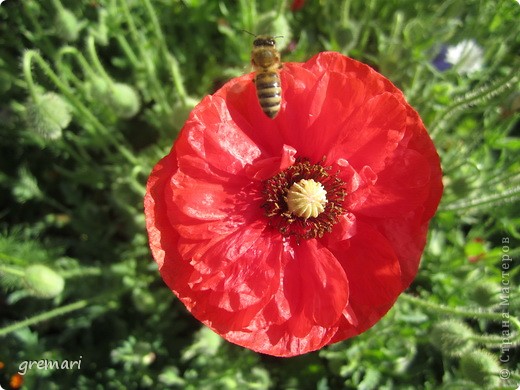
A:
(11, 270)
(26, 66)
(123, 42)
(58, 5)
(90, 271)
(514, 338)
(177, 80)
(482, 94)
(146, 58)
(156, 28)
(509, 195)
(91, 47)
(44, 317)
(46, 43)
(83, 63)
(282, 6)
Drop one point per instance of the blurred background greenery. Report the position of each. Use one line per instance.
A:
(93, 95)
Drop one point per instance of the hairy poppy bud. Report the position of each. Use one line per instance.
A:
(484, 294)
(67, 25)
(452, 337)
(43, 282)
(123, 99)
(49, 115)
(480, 367)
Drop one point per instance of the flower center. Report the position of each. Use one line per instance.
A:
(305, 200)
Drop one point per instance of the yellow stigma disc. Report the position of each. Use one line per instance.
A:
(306, 198)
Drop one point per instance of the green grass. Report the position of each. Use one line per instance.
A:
(93, 95)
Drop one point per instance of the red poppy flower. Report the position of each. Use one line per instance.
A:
(284, 235)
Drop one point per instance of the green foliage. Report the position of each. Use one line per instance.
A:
(93, 95)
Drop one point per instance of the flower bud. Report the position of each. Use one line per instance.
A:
(451, 337)
(125, 100)
(461, 187)
(67, 25)
(484, 294)
(480, 367)
(49, 115)
(43, 282)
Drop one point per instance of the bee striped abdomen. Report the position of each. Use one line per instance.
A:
(266, 62)
(269, 92)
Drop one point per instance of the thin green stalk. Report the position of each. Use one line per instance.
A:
(90, 271)
(134, 34)
(83, 63)
(345, 12)
(156, 28)
(478, 95)
(5, 269)
(28, 77)
(38, 30)
(137, 186)
(514, 338)
(366, 24)
(57, 4)
(248, 12)
(155, 84)
(177, 80)
(282, 6)
(123, 42)
(75, 148)
(501, 177)
(44, 317)
(415, 83)
(159, 92)
(508, 195)
(397, 28)
(91, 48)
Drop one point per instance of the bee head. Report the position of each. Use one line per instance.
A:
(264, 41)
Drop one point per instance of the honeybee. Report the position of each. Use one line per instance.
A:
(266, 62)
